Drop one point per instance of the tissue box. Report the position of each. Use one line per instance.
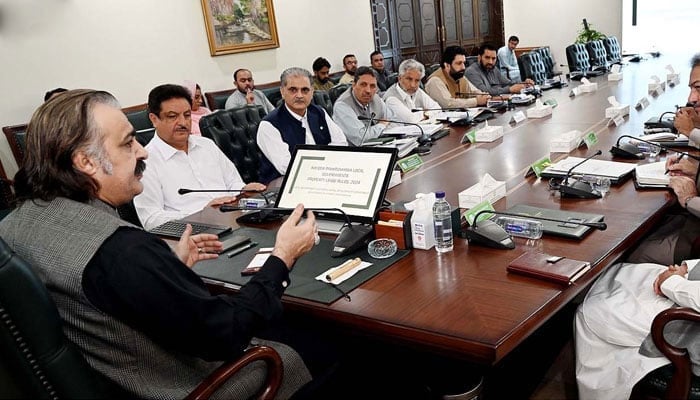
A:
(539, 112)
(621, 110)
(489, 133)
(614, 76)
(565, 142)
(673, 77)
(657, 87)
(588, 87)
(472, 196)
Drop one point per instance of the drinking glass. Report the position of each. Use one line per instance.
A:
(601, 185)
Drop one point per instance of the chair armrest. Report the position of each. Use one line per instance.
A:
(256, 353)
(680, 382)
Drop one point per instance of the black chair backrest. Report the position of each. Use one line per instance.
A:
(612, 49)
(577, 57)
(597, 54)
(39, 360)
(547, 60)
(273, 94)
(429, 69)
(16, 136)
(217, 100)
(145, 135)
(323, 99)
(533, 67)
(235, 131)
(139, 119)
(337, 90)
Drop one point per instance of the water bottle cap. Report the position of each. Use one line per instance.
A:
(439, 194)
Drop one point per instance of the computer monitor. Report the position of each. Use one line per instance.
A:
(353, 179)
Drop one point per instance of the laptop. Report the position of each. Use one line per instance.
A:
(353, 180)
(567, 230)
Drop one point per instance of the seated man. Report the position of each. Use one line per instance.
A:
(687, 120)
(362, 100)
(613, 347)
(246, 93)
(507, 61)
(350, 66)
(673, 240)
(322, 79)
(133, 307)
(181, 160)
(297, 121)
(377, 61)
(485, 76)
(406, 94)
(449, 87)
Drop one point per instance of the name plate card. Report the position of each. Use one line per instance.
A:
(469, 137)
(410, 163)
(672, 76)
(642, 103)
(471, 213)
(617, 120)
(538, 166)
(590, 139)
(518, 117)
(574, 92)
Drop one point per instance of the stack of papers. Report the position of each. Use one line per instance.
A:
(411, 130)
(451, 116)
(652, 174)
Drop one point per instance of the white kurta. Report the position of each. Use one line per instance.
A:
(611, 325)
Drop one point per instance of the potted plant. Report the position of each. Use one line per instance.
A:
(588, 34)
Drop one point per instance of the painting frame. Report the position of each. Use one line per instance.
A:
(238, 26)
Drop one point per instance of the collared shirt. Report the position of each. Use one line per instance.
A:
(508, 63)
(346, 78)
(237, 99)
(277, 151)
(204, 166)
(346, 110)
(401, 103)
(437, 88)
(318, 85)
(491, 81)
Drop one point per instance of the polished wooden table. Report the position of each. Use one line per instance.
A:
(464, 303)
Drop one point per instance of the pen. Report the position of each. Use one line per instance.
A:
(241, 249)
(676, 162)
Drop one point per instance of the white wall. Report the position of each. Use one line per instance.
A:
(557, 22)
(129, 46)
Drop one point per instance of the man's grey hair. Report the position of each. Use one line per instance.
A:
(695, 61)
(411, 64)
(294, 71)
(95, 147)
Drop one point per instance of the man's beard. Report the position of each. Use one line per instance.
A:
(456, 75)
(322, 80)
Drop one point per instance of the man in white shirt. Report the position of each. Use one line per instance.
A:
(297, 121)
(508, 63)
(178, 159)
(246, 93)
(406, 94)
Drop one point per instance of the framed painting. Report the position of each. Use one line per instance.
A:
(236, 26)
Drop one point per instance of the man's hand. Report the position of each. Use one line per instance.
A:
(191, 249)
(482, 99)
(529, 82)
(680, 270)
(294, 239)
(684, 187)
(517, 88)
(253, 186)
(686, 120)
(222, 200)
(250, 97)
(683, 167)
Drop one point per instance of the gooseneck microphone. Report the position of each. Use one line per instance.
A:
(630, 150)
(440, 109)
(423, 139)
(579, 188)
(490, 234)
(370, 119)
(350, 238)
(185, 191)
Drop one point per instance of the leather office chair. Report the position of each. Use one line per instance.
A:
(15, 135)
(548, 61)
(139, 119)
(393, 78)
(597, 54)
(323, 99)
(577, 57)
(612, 49)
(235, 131)
(39, 362)
(217, 100)
(7, 197)
(533, 67)
(273, 94)
(429, 69)
(337, 90)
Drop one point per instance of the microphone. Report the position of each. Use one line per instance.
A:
(490, 234)
(370, 119)
(578, 188)
(423, 139)
(185, 191)
(630, 150)
(350, 238)
(654, 122)
(440, 109)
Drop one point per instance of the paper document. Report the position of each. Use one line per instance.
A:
(412, 130)
(652, 174)
(610, 169)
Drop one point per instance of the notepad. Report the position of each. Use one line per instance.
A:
(652, 175)
(551, 268)
(615, 170)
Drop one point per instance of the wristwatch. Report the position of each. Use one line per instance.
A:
(687, 199)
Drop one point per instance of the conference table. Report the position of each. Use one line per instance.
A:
(464, 303)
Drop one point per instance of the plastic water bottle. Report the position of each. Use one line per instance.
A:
(522, 227)
(442, 218)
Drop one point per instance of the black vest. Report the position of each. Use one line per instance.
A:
(293, 133)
